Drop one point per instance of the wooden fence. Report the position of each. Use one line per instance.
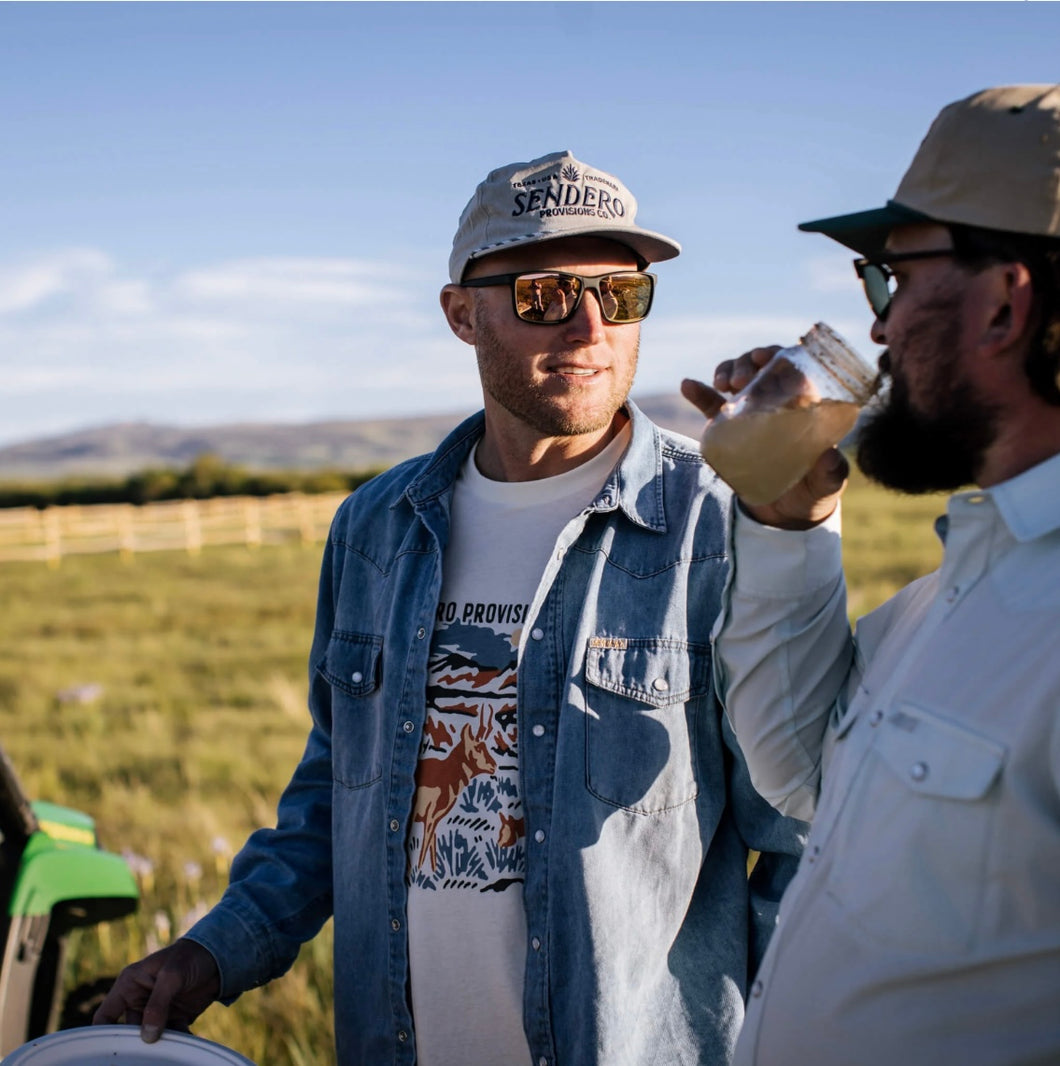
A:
(31, 535)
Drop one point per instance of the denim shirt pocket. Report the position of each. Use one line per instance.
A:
(351, 667)
(925, 793)
(642, 700)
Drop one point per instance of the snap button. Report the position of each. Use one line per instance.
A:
(395, 825)
(537, 634)
(395, 924)
(539, 836)
(402, 1036)
(356, 677)
(876, 717)
(408, 727)
(660, 684)
(421, 633)
(535, 943)
(538, 730)
(918, 771)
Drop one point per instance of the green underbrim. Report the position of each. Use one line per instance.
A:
(865, 231)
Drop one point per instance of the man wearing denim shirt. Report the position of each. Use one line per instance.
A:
(923, 926)
(519, 798)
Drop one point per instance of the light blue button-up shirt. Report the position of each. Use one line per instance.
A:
(923, 926)
(642, 925)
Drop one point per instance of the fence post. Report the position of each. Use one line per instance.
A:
(52, 535)
(192, 527)
(252, 521)
(123, 520)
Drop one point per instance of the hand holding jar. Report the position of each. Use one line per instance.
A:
(805, 400)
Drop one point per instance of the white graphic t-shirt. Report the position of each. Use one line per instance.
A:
(466, 848)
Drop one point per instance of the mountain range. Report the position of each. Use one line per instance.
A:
(121, 449)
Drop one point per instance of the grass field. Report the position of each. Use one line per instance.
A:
(198, 718)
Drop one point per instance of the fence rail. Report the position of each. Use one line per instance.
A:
(31, 535)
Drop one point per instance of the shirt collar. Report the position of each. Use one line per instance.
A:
(1029, 503)
(635, 485)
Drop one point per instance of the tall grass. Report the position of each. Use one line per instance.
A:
(165, 696)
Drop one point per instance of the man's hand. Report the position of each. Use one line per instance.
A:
(170, 988)
(806, 503)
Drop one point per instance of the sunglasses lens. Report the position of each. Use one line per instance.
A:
(546, 297)
(626, 297)
(877, 288)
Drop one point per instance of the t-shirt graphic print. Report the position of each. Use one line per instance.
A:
(468, 825)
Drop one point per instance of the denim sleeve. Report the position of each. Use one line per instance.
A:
(778, 841)
(280, 887)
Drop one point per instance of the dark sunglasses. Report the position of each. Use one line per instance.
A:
(877, 277)
(547, 298)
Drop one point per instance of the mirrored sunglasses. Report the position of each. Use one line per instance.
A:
(548, 298)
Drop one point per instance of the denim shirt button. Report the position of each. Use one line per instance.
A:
(408, 727)
(537, 634)
(356, 677)
(660, 684)
(395, 924)
(535, 943)
(542, 1061)
(402, 1036)
(421, 633)
(395, 825)
(539, 836)
(876, 717)
(538, 730)
(918, 771)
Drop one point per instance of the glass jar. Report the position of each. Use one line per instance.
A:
(805, 400)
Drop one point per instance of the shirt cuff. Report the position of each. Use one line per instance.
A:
(773, 563)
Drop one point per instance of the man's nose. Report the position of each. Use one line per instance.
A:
(588, 320)
(878, 329)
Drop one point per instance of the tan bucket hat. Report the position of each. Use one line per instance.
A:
(547, 198)
(991, 160)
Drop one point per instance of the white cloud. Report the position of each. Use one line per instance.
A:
(341, 282)
(84, 340)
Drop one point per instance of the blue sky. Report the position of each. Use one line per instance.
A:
(242, 212)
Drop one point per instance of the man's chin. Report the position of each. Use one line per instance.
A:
(919, 457)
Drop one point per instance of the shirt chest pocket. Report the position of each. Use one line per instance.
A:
(911, 850)
(351, 668)
(642, 702)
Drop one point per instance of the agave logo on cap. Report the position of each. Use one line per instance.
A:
(568, 192)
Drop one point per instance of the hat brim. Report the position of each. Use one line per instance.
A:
(865, 231)
(649, 246)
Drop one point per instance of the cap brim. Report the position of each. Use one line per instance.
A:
(649, 246)
(865, 231)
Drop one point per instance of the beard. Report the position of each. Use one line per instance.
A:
(541, 406)
(939, 448)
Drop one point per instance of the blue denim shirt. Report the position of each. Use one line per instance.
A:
(642, 924)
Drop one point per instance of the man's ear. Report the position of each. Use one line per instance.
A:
(1009, 307)
(459, 309)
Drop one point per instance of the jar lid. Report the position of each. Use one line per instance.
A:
(120, 1045)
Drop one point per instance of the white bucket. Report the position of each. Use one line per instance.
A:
(120, 1045)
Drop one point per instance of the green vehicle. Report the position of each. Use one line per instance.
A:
(54, 878)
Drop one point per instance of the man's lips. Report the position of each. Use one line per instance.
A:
(576, 369)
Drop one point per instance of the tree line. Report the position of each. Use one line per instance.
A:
(205, 477)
